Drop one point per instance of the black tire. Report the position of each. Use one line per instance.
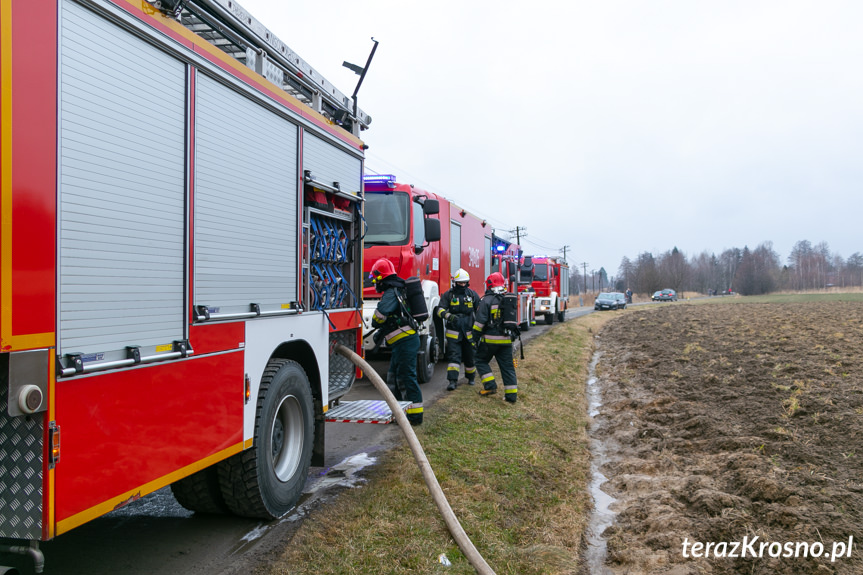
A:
(428, 355)
(200, 492)
(549, 318)
(266, 481)
(561, 316)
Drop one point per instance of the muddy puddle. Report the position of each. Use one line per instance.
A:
(602, 515)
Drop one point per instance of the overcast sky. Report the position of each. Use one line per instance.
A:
(611, 127)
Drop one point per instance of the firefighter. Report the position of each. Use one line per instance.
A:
(493, 341)
(456, 310)
(399, 330)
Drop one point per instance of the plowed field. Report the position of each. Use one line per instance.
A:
(729, 422)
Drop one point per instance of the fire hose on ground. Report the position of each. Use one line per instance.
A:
(465, 544)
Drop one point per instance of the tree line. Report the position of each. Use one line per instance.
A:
(745, 271)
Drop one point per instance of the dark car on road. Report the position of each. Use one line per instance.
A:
(665, 295)
(610, 300)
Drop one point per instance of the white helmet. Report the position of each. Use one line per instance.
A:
(461, 276)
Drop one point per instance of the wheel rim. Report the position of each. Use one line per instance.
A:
(286, 438)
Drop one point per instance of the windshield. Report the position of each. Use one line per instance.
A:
(387, 218)
(540, 272)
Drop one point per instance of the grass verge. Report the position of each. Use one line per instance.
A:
(516, 477)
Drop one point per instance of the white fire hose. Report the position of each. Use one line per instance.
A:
(452, 523)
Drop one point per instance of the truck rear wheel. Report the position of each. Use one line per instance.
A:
(428, 356)
(200, 492)
(266, 481)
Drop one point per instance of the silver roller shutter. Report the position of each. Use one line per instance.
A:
(122, 188)
(330, 164)
(246, 241)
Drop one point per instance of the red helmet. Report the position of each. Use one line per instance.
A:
(383, 268)
(495, 282)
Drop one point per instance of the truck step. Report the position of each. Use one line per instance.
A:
(363, 411)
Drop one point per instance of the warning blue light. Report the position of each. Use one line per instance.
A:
(379, 178)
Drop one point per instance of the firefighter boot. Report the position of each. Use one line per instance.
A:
(452, 385)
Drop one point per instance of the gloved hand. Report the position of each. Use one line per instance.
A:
(450, 319)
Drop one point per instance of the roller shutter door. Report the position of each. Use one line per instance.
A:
(330, 164)
(246, 240)
(122, 188)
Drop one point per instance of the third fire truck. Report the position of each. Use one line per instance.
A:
(550, 284)
(425, 235)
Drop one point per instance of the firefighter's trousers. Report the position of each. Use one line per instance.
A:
(458, 352)
(503, 354)
(402, 376)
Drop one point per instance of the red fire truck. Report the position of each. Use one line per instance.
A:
(549, 280)
(427, 236)
(180, 221)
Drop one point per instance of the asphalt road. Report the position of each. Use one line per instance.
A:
(156, 536)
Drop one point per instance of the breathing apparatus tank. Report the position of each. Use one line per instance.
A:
(509, 312)
(416, 299)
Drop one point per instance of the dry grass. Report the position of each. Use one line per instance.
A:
(515, 475)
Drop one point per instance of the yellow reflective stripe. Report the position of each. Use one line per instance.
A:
(470, 370)
(379, 316)
(510, 389)
(452, 367)
(413, 410)
(497, 339)
(402, 333)
(452, 334)
(489, 377)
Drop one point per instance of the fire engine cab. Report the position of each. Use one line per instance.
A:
(181, 220)
(549, 280)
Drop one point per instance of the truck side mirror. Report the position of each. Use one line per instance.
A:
(432, 228)
(431, 207)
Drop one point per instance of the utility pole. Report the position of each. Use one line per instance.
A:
(563, 249)
(584, 265)
(519, 232)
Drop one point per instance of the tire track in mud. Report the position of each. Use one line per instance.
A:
(730, 421)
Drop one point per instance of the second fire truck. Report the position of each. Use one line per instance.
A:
(425, 235)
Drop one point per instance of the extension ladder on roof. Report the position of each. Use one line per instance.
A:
(231, 28)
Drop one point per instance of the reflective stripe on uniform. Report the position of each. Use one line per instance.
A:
(452, 367)
(487, 377)
(510, 389)
(400, 333)
(415, 408)
(468, 370)
(379, 316)
(497, 339)
(452, 334)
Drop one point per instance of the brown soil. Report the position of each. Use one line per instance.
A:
(732, 421)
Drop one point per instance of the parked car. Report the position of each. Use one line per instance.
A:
(665, 295)
(610, 300)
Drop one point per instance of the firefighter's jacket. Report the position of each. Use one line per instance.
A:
(461, 303)
(390, 316)
(488, 325)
